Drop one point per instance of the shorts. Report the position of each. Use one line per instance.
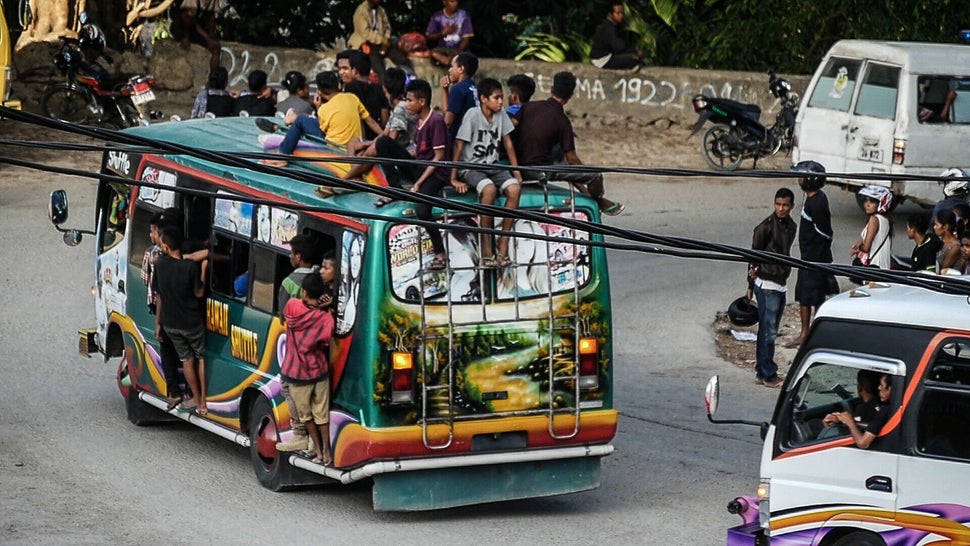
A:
(312, 401)
(810, 288)
(188, 343)
(481, 178)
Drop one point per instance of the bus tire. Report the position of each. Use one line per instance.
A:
(269, 465)
(859, 538)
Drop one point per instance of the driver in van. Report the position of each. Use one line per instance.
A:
(878, 421)
(867, 386)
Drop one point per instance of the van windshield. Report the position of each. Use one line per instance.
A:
(835, 87)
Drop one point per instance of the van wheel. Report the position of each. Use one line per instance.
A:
(861, 201)
(859, 538)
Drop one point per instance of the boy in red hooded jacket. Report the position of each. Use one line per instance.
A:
(305, 368)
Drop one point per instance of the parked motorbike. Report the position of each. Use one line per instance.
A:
(738, 133)
(90, 95)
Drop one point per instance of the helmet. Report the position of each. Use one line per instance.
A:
(780, 88)
(810, 183)
(92, 37)
(954, 188)
(743, 312)
(882, 196)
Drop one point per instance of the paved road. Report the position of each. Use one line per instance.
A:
(75, 471)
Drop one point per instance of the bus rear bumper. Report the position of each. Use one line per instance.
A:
(444, 482)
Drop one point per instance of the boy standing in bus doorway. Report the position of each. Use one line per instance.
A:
(768, 282)
(167, 352)
(305, 258)
(305, 367)
(180, 285)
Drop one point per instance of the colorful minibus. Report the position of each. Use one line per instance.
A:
(448, 387)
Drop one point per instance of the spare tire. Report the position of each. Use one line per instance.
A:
(743, 312)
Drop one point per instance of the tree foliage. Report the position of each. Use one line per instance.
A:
(716, 34)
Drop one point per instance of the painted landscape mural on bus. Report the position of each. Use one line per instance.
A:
(499, 363)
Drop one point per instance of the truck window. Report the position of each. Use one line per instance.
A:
(877, 94)
(835, 87)
(825, 388)
(943, 424)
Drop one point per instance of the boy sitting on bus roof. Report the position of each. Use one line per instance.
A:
(483, 131)
(339, 118)
(305, 368)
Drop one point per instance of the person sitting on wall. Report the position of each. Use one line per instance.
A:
(610, 50)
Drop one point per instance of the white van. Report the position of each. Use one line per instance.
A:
(888, 107)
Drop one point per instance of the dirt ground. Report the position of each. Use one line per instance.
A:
(662, 144)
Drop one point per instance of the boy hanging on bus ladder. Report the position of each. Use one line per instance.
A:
(483, 131)
(167, 353)
(305, 368)
(305, 259)
(339, 118)
(180, 286)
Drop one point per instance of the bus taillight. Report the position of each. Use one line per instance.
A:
(589, 361)
(402, 378)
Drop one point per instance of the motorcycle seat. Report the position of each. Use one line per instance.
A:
(750, 111)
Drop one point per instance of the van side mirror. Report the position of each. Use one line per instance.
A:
(57, 209)
(72, 237)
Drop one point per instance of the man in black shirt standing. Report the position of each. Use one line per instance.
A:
(814, 243)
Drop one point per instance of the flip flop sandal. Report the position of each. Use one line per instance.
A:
(614, 209)
(267, 125)
(185, 408)
(173, 403)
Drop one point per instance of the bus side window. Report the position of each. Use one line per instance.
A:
(116, 199)
(141, 234)
(269, 269)
(230, 261)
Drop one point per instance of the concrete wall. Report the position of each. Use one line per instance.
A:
(650, 96)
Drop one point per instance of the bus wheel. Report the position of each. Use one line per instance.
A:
(267, 462)
(859, 538)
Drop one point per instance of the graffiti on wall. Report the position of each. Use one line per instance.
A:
(643, 91)
(240, 63)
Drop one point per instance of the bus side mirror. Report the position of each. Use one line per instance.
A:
(57, 210)
(711, 394)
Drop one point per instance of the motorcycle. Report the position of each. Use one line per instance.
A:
(738, 133)
(90, 95)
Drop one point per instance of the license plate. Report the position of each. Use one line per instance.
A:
(870, 154)
(142, 98)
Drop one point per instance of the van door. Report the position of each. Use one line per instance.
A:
(936, 474)
(823, 130)
(814, 465)
(872, 126)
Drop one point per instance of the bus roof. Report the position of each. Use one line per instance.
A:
(240, 135)
(894, 303)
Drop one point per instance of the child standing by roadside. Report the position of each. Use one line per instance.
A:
(305, 367)
(180, 285)
(484, 130)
